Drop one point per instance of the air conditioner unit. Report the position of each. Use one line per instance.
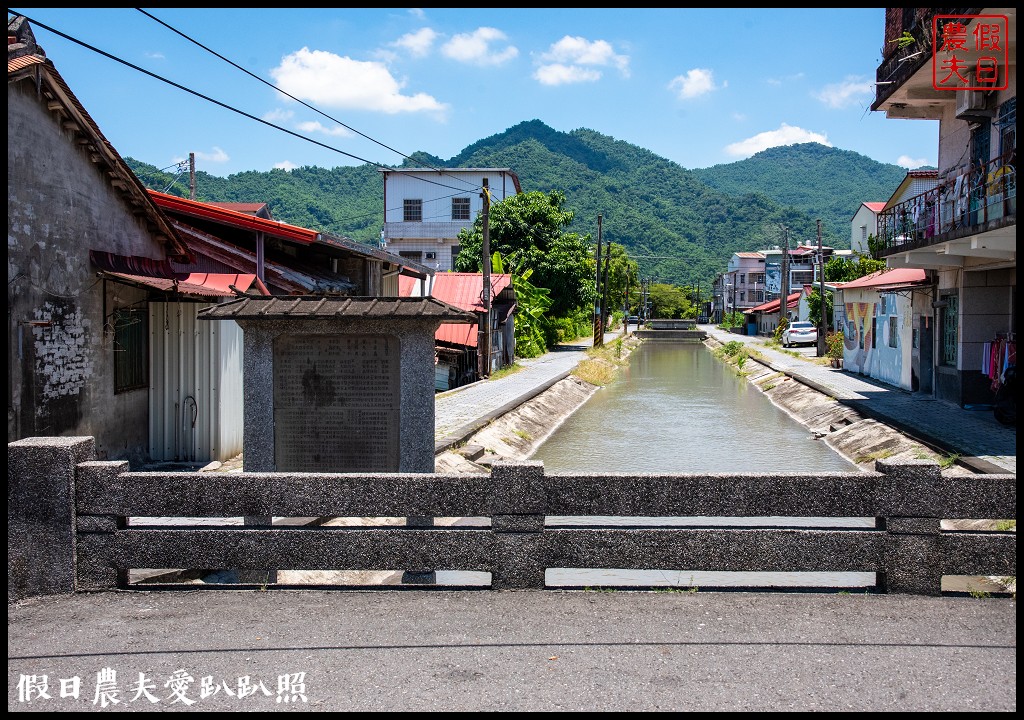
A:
(430, 256)
(972, 104)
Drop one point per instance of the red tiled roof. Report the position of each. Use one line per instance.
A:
(923, 173)
(897, 276)
(874, 206)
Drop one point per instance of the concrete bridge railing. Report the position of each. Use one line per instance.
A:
(68, 528)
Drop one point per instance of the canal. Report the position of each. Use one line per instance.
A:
(676, 408)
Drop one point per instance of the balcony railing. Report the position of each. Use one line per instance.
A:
(960, 206)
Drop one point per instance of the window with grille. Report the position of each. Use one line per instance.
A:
(893, 330)
(412, 211)
(950, 317)
(460, 208)
(131, 349)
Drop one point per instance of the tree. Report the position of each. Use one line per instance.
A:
(814, 307)
(841, 269)
(530, 226)
(623, 274)
(670, 301)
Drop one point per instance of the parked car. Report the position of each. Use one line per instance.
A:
(799, 333)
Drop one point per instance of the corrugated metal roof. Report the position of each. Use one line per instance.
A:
(463, 290)
(322, 307)
(896, 276)
(874, 206)
(458, 334)
(773, 305)
(746, 254)
(200, 284)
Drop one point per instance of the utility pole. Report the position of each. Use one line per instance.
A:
(605, 304)
(625, 304)
(191, 176)
(485, 335)
(598, 325)
(784, 297)
(822, 325)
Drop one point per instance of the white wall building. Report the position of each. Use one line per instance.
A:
(424, 209)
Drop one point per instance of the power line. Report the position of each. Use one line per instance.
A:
(277, 89)
(217, 102)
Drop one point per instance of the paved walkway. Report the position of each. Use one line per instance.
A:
(975, 435)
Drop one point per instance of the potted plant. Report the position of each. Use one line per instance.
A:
(835, 348)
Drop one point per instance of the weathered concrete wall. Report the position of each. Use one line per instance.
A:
(60, 362)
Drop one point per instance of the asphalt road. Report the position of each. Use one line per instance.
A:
(514, 651)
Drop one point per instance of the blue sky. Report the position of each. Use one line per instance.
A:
(699, 87)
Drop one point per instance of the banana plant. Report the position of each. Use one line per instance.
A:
(531, 304)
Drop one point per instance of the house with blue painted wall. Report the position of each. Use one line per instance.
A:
(879, 336)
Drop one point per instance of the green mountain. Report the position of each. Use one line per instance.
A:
(680, 225)
(826, 182)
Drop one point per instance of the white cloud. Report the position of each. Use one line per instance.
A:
(575, 59)
(285, 165)
(278, 116)
(694, 83)
(580, 51)
(417, 44)
(217, 156)
(786, 79)
(785, 135)
(851, 91)
(329, 80)
(564, 74)
(156, 56)
(312, 126)
(739, 117)
(910, 163)
(478, 47)
(417, 13)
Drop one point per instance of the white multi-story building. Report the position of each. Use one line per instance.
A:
(424, 209)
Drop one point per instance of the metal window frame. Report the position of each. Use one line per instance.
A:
(131, 349)
(463, 204)
(412, 210)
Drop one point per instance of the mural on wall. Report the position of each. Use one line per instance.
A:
(857, 335)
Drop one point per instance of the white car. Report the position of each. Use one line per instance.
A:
(799, 333)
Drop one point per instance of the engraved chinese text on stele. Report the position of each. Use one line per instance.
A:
(336, 403)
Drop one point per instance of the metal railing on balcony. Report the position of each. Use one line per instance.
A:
(962, 205)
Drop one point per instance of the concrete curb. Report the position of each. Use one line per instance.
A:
(467, 430)
(966, 459)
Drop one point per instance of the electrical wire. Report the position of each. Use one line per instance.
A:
(301, 102)
(213, 100)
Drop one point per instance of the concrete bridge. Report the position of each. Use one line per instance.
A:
(660, 330)
(69, 526)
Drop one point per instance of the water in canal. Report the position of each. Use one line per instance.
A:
(678, 409)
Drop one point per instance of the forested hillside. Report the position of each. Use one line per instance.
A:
(680, 225)
(826, 182)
